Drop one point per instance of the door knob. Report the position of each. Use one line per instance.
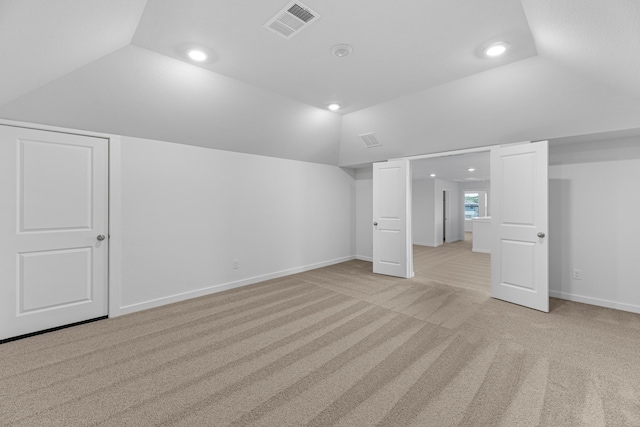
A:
(375, 224)
(541, 234)
(100, 237)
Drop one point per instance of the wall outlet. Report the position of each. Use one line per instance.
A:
(236, 263)
(577, 274)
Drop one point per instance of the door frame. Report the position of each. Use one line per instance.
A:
(114, 210)
(486, 148)
(483, 149)
(446, 213)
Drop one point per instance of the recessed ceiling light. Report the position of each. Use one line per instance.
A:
(471, 169)
(432, 175)
(333, 107)
(341, 50)
(197, 55)
(496, 49)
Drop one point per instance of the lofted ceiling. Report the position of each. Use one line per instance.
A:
(416, 77)
(396, 44)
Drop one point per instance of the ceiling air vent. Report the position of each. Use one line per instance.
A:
(370, 140)
(292, 19)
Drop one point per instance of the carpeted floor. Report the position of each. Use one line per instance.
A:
(336, 346)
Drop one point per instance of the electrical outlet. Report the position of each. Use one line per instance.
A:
(236, 263)
(577, 274)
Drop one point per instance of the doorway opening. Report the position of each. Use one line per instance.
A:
(439, 184)
(444, 216)
(517, 230)
(448, 256)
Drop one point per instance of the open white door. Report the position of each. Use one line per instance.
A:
(520, 250)
(392, 249)
(53, 229)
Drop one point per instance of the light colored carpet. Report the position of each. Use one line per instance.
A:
(336, 346)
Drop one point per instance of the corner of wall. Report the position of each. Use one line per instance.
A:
(115, 225)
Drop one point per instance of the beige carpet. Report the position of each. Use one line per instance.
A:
(336, 346)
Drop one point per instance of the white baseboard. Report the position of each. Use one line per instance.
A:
(222, 287)
(424, 244)
(596, 301)
(483, 251)
(364, 258)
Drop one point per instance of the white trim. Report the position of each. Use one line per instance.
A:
(448, 153)
(595, 301)
(49, 128)
(225, 286)
(409, 223)
(364, 258)
(115, 226)
(482, 251)
(459, 152)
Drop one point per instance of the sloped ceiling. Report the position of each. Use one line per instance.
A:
(43, 40)
(416, 77)
(599, 39)
(399, 46)
(136, 92)
(530, 100)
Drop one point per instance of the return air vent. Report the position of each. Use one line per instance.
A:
(292, 19)
(370, 140)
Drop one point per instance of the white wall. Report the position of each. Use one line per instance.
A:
(423, 212)
(364, 214)
(593, 212)
(187, 212)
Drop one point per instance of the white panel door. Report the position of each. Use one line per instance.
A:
(392, 249)
(53, 216)
(520, 250)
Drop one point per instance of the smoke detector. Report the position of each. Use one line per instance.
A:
(292, 19)
(341, 50)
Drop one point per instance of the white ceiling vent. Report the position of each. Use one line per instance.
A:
(370, 140)
(292, 19)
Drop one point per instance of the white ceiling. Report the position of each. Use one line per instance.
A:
(598, 38)
(396, 44)
(415, 77)
(454, 168)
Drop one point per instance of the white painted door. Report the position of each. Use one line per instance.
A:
(392, 249)
(53, 208)
(520, 249)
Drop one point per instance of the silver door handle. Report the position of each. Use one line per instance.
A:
(100, 237)
(375, 224)
(541, 234)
